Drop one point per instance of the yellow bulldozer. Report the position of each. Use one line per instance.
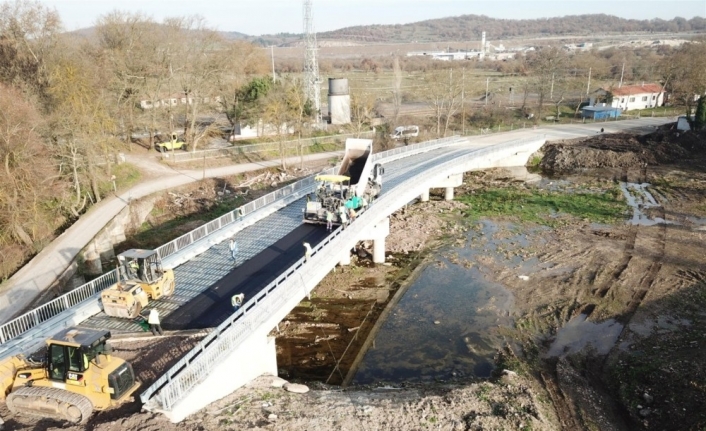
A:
(77, 376)
(141, 278)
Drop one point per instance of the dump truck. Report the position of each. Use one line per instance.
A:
(76, 375)
(141, 278)
(358, 183)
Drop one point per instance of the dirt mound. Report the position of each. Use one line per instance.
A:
(623, 150)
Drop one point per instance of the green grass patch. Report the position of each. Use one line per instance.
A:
(544, 207)
(126, 176)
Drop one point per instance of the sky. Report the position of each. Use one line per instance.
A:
(256, 17)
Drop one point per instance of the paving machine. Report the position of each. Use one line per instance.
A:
(76, 376)
(141, 278)
(357, 183)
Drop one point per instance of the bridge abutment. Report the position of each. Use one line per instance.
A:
(256, 356)
(424, 197)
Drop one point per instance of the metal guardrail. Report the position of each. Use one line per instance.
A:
(268, 147)
(31, 319)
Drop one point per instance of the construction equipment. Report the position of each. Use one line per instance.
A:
(141, 278)
(357, 184)
(76, 376)
(173, 144)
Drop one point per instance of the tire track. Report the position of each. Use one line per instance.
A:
(605, 287)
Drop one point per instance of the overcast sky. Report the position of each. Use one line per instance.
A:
(257, 17)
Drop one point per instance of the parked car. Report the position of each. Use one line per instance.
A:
(175, 143)
(404, 132)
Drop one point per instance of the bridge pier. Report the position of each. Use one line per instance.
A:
(377, 234)
(235, 371)
(424, 197)
(345, 258)
(449, 195)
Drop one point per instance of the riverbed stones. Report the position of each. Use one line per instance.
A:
(296, 388)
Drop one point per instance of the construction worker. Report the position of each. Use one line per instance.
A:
(233, 246)
(134, 268)
(237, 301)
(153, 321)
(329, 220)
(344, 217)
(352, 214)
(307, 251)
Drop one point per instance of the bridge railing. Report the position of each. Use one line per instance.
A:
(197, 363)
(31, 319)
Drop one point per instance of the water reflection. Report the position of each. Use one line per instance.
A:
(445, 325)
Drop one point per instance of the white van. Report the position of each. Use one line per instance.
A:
(404, 132)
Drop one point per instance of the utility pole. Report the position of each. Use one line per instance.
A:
(588, 87)
(311, 65)
(551, 91)
(487, 83)
(463, 101)
(272, 54)
(621, 75)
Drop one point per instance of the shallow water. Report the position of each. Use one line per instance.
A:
(445, 325)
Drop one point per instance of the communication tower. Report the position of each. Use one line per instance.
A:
(312, 88)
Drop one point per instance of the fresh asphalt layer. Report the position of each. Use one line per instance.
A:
(213, 306)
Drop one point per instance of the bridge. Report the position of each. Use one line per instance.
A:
(270, 267)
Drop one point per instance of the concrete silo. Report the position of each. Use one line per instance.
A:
(339, 101)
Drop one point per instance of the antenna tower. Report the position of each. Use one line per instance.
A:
(312, 89)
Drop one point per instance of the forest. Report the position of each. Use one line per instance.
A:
(71, 102)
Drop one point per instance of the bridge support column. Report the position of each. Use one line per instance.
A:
(424, 197)
(345, 258)
(379, 250)
(377, 234)
(255, 357)
(449, 196)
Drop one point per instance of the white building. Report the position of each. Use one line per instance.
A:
(630, 97)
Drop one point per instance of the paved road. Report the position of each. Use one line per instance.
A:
(212, 307)
(44, 269)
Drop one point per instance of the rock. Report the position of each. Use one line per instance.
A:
(296, 388)
(648, 398)
(272, 417)
(436, 322)
(644, 413)
(278, 382)
(523, 277)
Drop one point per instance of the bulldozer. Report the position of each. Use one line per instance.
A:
(76, 376)
(141, 278)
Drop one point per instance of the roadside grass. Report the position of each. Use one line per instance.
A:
(545, 207)
(126, 176)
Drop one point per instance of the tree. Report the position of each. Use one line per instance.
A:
(700, 116)
(546, 65)
(684, 74)
(22, 154)
(362, 110)
(279, 113)
(443, 94)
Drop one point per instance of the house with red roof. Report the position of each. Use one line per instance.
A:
(630, 97)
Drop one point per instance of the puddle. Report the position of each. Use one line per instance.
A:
(640, 199)
(579, 333)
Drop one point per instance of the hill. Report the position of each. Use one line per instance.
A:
(469, 27)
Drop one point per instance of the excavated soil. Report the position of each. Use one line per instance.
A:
(609, 327)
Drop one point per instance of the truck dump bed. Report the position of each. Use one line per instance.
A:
(357, 163)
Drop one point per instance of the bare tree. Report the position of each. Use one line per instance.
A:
(443, 94)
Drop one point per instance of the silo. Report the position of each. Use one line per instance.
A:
(339, 101)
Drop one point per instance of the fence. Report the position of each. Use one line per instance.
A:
(200, 361)
(268, 150)
(648, 113)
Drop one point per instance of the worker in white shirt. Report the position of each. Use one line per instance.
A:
(307, 251)
(153, 321)
(237, 301)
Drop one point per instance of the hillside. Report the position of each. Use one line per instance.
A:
(469, 27)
